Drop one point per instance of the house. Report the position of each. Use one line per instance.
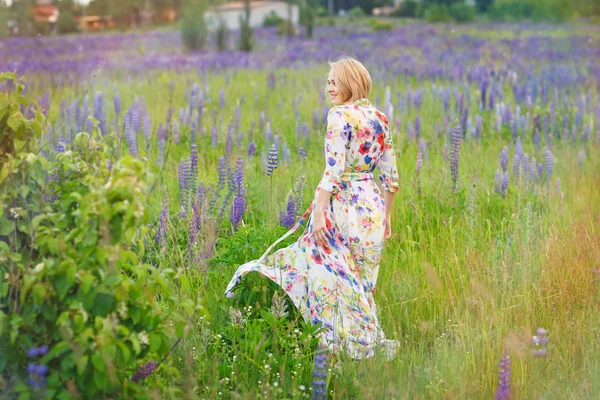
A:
(231, 12)
(44, 11)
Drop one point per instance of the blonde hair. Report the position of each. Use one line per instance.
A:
(351, 78)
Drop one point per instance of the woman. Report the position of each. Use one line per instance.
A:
(330, 273)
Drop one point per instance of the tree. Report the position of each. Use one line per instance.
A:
(484, 5)
(246, 34)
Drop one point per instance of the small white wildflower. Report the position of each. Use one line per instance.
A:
(275, 384)
(144, 339)
(302, 387)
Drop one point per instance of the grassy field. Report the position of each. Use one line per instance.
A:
(472, 271)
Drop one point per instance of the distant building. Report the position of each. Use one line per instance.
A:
(231, 12)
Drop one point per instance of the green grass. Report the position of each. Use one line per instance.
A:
(468, 275)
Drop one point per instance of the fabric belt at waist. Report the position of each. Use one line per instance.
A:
(357, 176)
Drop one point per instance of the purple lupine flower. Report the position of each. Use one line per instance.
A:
(478, 125)
(540, 171)
(315, 118)
(519, 148)
(419, 166)
(214, 137)
(130, 135)
(302, 153)
(516, 164)
(319, 383)
(239, 178)
(539, 341)
(37, 375)
(192, 241)
(99, 113)
(272, 160)
(135, 115)
(229, 142)
(237, 210)
(252, 149)
(503, 392)
(491, 101)
(222, 173)
(271, 80)
(268, 133)
(117, 103)
(417, 126)
(445, 152)
(504, 159)
(498, 181)
(423, 148)
(504, 183)
(515, 127)
(183, 175)
(222, 97)
(60, 145)
(147, 127)
(161, 235)
(290, 213)
(144, 371)
(483, 87)
(409, 131)
(549, 164)
(194, 159)
(454, 157)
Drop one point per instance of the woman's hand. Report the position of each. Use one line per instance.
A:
(388, 229)
(319, 228)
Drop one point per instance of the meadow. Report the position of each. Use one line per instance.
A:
(495, 253)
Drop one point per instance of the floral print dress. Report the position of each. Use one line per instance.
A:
(334, 284)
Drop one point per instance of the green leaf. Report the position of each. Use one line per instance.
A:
(155, 342)
(81, 364)
(103, 303)
(38, 292)
(98, 362)
(100, 379)
(125, 352)
(112, 280)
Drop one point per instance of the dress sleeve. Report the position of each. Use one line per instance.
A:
(388, 170)
(335, 152)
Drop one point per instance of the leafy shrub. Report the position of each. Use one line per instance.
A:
(406, 9)
(194, 31)
(42, 28)
(321, 12)
(75, 301)
(66, 23)
(381, 25)
(462, 12)
(356, 13)
(287, 28)
(512, 10)
(437, 13)
(272, 19)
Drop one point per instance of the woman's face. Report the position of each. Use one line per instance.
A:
(332, 89)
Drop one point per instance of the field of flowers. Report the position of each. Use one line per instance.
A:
(491, 281)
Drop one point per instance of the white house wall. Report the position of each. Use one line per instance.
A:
(257, 15)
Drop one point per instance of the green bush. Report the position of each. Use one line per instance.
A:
(462, 12)
(437, 13)
(287, 28)
(66, 23)
(193, 26)
(321, 12)
(407, 9)
(356, 13)
(75, 300)
(381, 25)
(513, 10)
(272, 19)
